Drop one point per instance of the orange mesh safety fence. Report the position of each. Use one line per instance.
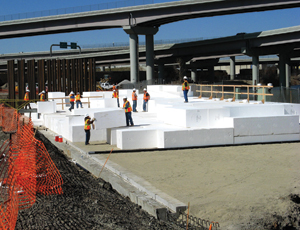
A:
(26, 168)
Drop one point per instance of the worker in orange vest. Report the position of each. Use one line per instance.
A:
(116, 95)
(87, 128)
(128, 110)
(42, 95)
(26, 99)
(78, 100)
(146, 99)
(185, 89)
(134, 100)
(72, 100)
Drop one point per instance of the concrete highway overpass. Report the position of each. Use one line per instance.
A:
(138, 20)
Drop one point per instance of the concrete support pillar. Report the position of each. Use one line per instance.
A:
(134, 58)
(287, 75)
(211, 72)
(232, 68)
(102, 68)
(255, 70)
(160, 73)
(150, 58)
(283, 70)
(194, 74)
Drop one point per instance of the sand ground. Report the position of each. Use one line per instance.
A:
(231, 185)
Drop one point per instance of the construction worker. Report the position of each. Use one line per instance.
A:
(78, 100)
(128, 110)
(134, 100)
(26, 99)
(72, 100)
(42, 95)
(146, 99)
(116, 95)
(87, 128)
(185, 89)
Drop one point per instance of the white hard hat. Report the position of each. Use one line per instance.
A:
(27, 90)
(72, 92)
(184, 77)
(43, 91)
(87, 115)
(125, 98)
(133, 89)
(114, 90)
(145, 89)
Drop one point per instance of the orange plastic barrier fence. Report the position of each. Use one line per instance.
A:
(25, 168)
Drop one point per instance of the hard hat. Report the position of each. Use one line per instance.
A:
(133, 89)
(184, 77)
(43, 91)
(125, 98)
(114, 90)
(145, 89)
(87, 115)
(27, 90)
(78, 93)
(72, 92)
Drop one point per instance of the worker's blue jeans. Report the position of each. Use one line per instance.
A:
(145, 106)
(134, 106)
(128, 118)
(87, 136)
(78, 103)
(185, 93)
(72, 106)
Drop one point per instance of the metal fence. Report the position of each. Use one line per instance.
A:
(282, 94)
(76, 9)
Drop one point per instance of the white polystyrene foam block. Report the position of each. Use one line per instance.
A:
(196, 118)
(266, 138)
(257, 110)
(107, 94)
(254, 126)
(78, 134)
(292, 109)
(110, 118)
(55, 95)
(46, 107)
(136, 138)
(92, 94)
(196, 137)
(216, 117)
(151, 106)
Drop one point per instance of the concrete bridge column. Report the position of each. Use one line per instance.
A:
(149, 58)
(194, 74)
(134, 57)
(284, 73)
(133, 32)
(160, 73)
(232, 68)
(255, 70)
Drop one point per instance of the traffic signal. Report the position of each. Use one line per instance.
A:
(73, 45)
(63, 45)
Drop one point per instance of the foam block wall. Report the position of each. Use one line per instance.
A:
(110, 118)
(46, 107)
(78, 134)
(254, 126)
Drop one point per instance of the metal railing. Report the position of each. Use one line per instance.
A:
(232, 90)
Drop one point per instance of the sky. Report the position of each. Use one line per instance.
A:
(210, 27)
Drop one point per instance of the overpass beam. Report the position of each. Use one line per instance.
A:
(133, 32)
(232, 68)
(255, 70)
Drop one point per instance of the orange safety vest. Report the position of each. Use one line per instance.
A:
(134, 96)
(42, 97)
(72, 98)
(187, 87)
(127, 104)
(87, 126)
(146, 97)
(115, 95)
(26, 97)
(77, 98)
(114, 87)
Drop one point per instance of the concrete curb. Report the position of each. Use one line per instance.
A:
(139, 191)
